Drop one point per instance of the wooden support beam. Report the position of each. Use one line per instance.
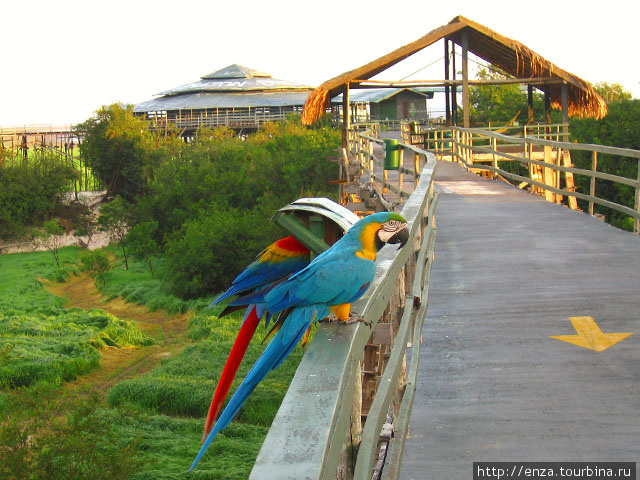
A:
(564, 95)
(548, 174)
(446, 78)
(346, 117)
(454, 90)
(530, 118)
(547, 106)
(569, 182)
(465, 78)
(592, 183)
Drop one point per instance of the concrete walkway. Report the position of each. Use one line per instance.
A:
(510, 270)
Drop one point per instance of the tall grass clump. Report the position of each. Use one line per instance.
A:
(183, 385)
(37, 442)
(60, 345)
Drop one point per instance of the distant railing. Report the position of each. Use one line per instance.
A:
(247, 118)
(357, 374)
(547, 167)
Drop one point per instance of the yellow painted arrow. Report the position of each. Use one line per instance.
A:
(590, 336)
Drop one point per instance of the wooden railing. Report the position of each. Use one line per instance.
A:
(354, 373)
(410, 158)
(547, 164)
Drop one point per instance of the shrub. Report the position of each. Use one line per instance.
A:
(210, 251)
(95, 263)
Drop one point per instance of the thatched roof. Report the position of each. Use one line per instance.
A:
(511, 56)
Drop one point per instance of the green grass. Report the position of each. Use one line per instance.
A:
(139, 285)
(39, 339)
(184, 385)
(148, 427)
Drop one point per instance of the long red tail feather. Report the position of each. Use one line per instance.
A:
(231, 367)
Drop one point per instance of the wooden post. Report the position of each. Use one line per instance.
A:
(372, 164)
(465, 77)
(530, 103)
(416, 166)
(346, 118)
(494, 160)
(446, 84)
(354, 435)
(636, 222)
(592, 184)
(556, 174)
(565, 112)
(400, 178)
(454, 89)
(547, 174)
(570, 185)
(547, 109)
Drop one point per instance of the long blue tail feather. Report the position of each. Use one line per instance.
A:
(276, 352)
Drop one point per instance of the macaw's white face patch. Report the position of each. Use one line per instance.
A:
(389, 229)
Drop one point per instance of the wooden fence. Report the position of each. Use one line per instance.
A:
(548, 164)
(346, 412)
(25, 143)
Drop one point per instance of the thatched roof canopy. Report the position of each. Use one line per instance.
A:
(511, 56)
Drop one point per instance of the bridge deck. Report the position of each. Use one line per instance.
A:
(510, 270)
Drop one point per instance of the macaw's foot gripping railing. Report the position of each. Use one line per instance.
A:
(319, 432)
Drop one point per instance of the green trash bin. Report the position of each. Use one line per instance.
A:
(415, 127)
(391, 154)
(447, 145)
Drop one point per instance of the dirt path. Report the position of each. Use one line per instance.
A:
(117, 364)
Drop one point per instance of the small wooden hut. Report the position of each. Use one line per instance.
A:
(562, 89)
(387, 104)
(236, 96)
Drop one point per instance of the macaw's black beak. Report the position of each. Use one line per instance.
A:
(401, 237)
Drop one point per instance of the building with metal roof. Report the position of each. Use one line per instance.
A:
(388, 104)
(236, 96)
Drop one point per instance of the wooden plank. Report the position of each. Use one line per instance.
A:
(378, 410)
(568, 180)
(401, 427)
(548, 176)
(298, 230)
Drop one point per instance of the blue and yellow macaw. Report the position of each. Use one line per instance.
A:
(328, 285)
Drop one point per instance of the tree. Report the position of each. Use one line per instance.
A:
(50, 238)
(618, 129)
(612, 92)
(115, 218)
(498, 104)
(120, 149)
(141, 242)
(501, 104)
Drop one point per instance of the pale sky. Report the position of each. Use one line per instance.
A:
(64, 59)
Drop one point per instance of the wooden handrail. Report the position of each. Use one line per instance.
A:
(462, 149)
(307, 436)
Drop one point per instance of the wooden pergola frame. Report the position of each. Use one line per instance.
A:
(562, 89)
